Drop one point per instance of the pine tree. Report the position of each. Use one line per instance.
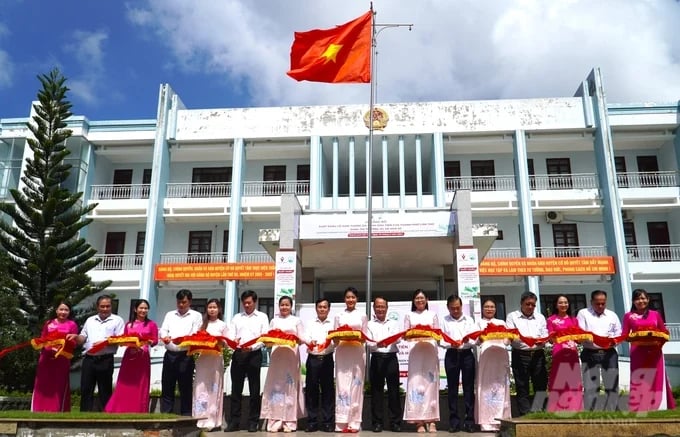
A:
(48, 261)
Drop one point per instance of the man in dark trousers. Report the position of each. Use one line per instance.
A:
(384, 368)
(98, 367)
(320, 371)
(459, 361)
(178, 366)
(246, 362)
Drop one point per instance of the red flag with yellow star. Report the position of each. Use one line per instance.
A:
(338, 55)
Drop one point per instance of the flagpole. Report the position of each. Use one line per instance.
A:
(376, 29)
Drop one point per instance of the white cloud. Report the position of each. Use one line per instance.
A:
(6, 64)
(467, 49)
(7, 69)
(88, 50)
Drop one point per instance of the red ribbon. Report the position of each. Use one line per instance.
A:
(274, 336)
(203, 342)
(57, 339)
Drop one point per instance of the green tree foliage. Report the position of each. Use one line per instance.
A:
(17, 369)
(48, 262)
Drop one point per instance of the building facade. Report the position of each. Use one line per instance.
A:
(555, 177)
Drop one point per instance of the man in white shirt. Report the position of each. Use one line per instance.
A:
(178, 366)
(605, 323)
(459, 361)
(98, 368)
(246, 361)
(384, 367)
(528, 362)
(320, 371)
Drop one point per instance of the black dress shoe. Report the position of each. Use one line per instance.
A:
(312, 428)
(396, 428)
(469, 428)
(232, 427)
(328, 428)
(252, 427)
(454, 429)
(377, 427)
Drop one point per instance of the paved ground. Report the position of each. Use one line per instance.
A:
(323, 434)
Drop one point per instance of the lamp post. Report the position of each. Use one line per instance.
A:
(377, 28)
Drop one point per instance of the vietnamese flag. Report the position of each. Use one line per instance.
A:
(338, 55)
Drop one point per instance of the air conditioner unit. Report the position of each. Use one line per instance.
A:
(553, 217)
(627, 215)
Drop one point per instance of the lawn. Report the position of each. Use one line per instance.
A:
(89, 416)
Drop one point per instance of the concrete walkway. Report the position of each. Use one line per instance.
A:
(302, 433)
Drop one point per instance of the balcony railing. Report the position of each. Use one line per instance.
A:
(198, 257)
(481, 183)
(112, 192)
(674, 331)
(648, 179)
(275, 188)
(255, 257)
(199, 190)
(578, 181)
(119, 262)
(655, 253)
(548, 252)
(213, 257)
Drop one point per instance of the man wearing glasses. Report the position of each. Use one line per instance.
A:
(528, 362)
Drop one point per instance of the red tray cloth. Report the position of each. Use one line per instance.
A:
(649, 337)
(54, 340)
(204, 343)
(274, 337)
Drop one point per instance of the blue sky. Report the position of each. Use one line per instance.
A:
(234, 53)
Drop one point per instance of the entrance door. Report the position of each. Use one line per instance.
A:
(122, 178)
(115, 248)
(659, 241)
(648, 166)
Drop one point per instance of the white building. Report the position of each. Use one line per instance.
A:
(555, 177)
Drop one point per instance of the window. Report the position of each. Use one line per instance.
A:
(200, 244)
(266, 305)
(139, 248)
(146, 182)
(483, 173)
(500, 235)
(576, 302)
(123, 178)
(303, 172)
(131, 313)
(559, 173)
(629, 235)
(275, 175)
(499, 300)
(656, 303)
(532, 177)
(451, 169)
(199, 305)
(211, 182)
(620, 166)
(225, 245)
(452, 174)
(302, 179)
(114, 306)
(659, 241)
(565, 239)
(537, 239)
(114, 249)
(648, 166)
